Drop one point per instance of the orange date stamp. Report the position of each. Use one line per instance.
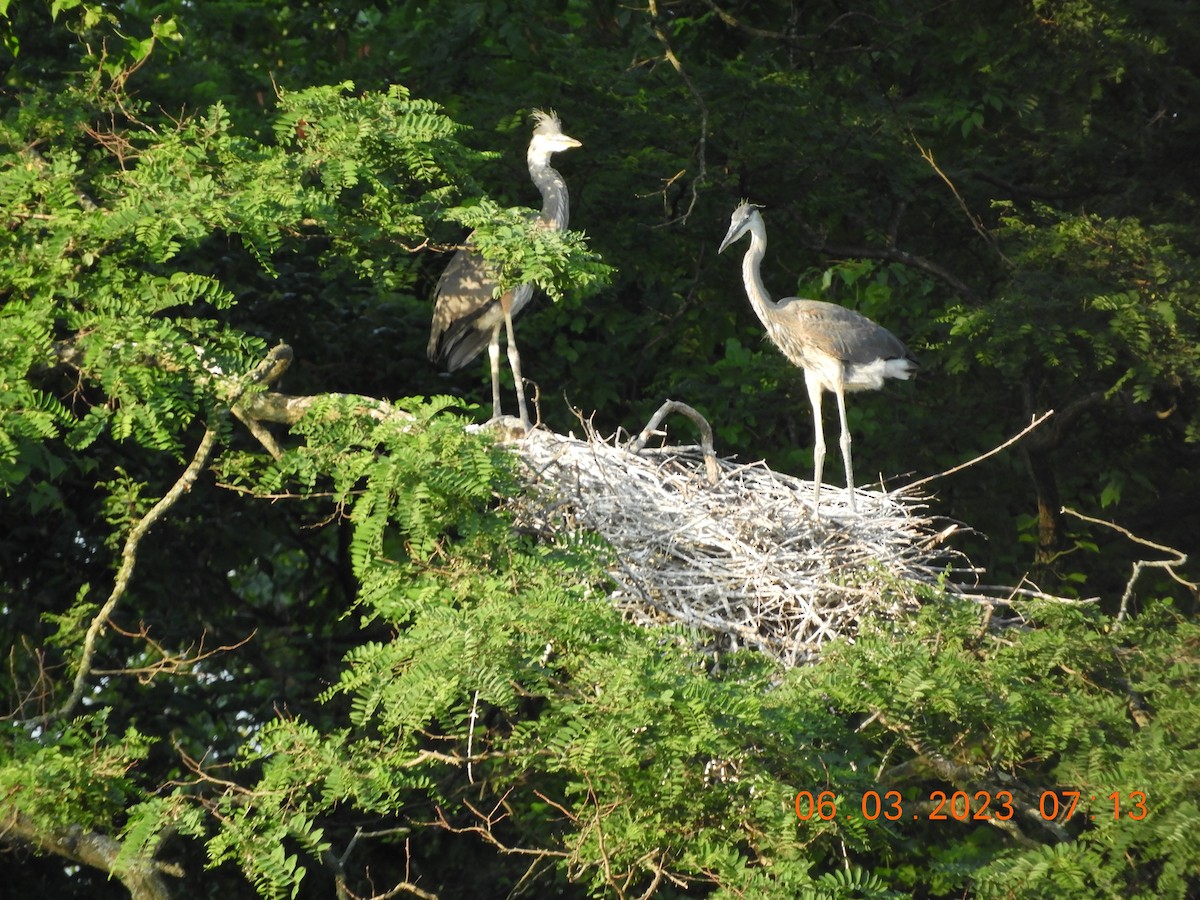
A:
(961, 806)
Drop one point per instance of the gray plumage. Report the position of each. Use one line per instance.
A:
(839, 349)
(467, 317)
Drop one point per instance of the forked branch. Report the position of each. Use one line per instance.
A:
(1176, 560)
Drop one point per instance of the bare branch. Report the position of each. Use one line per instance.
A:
(405, 887)
(706, 434)
(1012, 440)
(975, 221)
(484, 831)
(125, 572)
(702, 140)
(43, 685)
(733, 22)
(1169, 565)
(471, 737)
(169, 663)
(891, 253)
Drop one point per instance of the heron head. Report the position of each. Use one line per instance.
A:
(739, 223)
(547, 134)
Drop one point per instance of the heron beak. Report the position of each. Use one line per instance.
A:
(729, 239)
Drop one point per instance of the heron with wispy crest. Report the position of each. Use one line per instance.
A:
(468, 315)
(839, 349)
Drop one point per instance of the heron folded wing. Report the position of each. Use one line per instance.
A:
(464, 299)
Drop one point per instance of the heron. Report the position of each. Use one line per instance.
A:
(468, 316)
(839, 349)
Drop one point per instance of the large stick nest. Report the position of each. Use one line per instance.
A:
(735, 549)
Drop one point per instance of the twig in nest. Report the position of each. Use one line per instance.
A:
(706, 434)
(733, 549)
(738, 554)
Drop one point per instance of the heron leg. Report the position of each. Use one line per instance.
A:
(814, 399)
(845, 441)
(514, 359)
(494, 359)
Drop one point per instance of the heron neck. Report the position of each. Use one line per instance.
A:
(556, 205)
(752, 274)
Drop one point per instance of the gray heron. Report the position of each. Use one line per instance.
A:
(839, 349)
(467, 316)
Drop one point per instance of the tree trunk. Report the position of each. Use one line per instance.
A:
(1049, 516)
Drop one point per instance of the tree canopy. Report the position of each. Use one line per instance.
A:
(268, 631)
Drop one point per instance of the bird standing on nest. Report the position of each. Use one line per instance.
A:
(468, 316)
(839, 349)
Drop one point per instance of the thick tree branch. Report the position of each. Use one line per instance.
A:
(144, 880)
(968, 778)
(245, 396)
(1052, 437)
(1038, 453)
(712, 470)
(253, 407)
(288, 409)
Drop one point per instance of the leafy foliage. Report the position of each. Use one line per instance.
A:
(523, 252)
(333, 664)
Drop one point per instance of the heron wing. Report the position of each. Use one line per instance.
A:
(466, 311)
(841, 333)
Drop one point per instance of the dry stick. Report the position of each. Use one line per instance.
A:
(125, 572)
(471, 736)
(669, 53)
(1012, 440)
(488, 836)
(975, 221)
(1168, 564)
(168, 662)
(706, 434)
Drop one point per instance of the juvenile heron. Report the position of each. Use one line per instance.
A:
(839, 349)
(467, 316)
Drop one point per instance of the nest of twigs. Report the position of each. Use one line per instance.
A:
(735, 549)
